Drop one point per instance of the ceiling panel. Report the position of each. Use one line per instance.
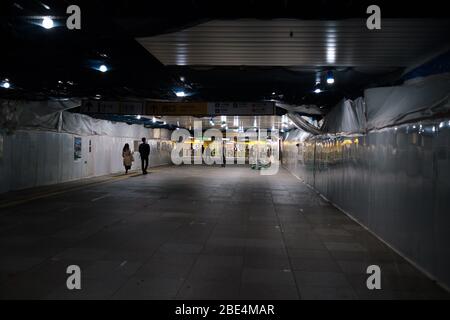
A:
(289, 42)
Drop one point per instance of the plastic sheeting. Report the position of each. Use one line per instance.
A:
(394, 181)
(303, 109)
(390, 106)
(84, 125)
(38, 145)
(346, 117)
(359, 108)
(17, 113)
(301, 123)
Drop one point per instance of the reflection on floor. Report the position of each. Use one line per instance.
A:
(196, 232)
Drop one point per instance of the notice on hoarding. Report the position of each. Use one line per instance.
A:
(76, 148)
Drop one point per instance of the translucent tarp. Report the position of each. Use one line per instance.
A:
(16, 113)
(388, 106)
(50, 116)
(303, 124)
(84, 125)
(394, 181)
(297, 135)
(346, 117)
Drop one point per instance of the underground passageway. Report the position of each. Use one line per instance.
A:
(194, 232)
(332, 118)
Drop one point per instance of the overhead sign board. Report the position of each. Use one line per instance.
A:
(241, 108)
(178, 108)
(112, 107)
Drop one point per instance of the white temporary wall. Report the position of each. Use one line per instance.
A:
(31, 158)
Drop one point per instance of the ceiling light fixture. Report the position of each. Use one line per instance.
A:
(317, 89)
(103, 68)
(180, 94)
(47, 23)
(330, 77)
(6, 84)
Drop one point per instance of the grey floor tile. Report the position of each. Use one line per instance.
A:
(197, 233)
(266, 262)
(215, 273)
(344, 246)
(257, 291)
(142, 288)
(327, 293)
(313, 264)
(282, 277)
(309, 253)
(209, 290)
(321, 279)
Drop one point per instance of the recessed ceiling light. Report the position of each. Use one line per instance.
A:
(47, 23)
(103, 68)
(330, 77)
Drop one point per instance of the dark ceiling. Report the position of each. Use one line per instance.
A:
(58, 62)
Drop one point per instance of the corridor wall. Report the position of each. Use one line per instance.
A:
(45, 154)
(393, 180)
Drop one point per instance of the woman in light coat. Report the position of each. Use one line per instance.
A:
(127, 157)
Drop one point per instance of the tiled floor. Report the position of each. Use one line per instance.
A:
(196, 232)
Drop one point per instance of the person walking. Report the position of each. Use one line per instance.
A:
(144, 151)
(127, 157)
(224, 154)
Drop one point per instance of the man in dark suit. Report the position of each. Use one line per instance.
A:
(144, 151)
